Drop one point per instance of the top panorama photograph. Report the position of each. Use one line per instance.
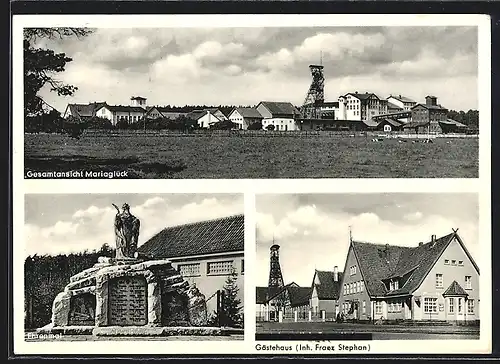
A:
(251, 103)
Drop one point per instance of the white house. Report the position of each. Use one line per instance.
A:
(210, 116)
(280, 114)
(361, 106)
(402, 102)
(130, 114)
(245, 116)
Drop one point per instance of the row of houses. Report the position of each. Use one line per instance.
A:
(435, 281)
(353, 111)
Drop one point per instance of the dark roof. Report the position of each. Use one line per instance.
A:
(431, 96)
(328, 289)
(85, 110)
(402, 98)
(299, 296)
(249, 112)
(280, 108)
(331, 103)
(455, 289)
(381, 262)
(124, 108)
(362, 96)
(393, 122)
(195, 115)
(206, 237)
(431, 107)
(453, 122)
(137, 98)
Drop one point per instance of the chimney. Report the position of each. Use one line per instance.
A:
(420, 244)
(335, 274)
(431, 100)
(433, 239)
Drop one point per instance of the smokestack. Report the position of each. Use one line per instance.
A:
(433, 239)
(335, 274)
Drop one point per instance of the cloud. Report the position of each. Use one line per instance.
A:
(91, 227)
(414, 216)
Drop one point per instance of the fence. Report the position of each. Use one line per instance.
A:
(296, 316)
(96, 133)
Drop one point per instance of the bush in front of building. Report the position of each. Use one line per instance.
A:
(255, 126)
(270, 127)
(230, 313)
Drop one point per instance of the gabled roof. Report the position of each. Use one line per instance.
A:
(455, 289)
(299, 296)
(280, 108)
(328, 289)
(85, 110)
(391, 121)
(222, 235)
(431, 107)
(248, 112)
(390, 105)
(124, 108)
(382, 262)
(453, 122)
(402, 98)
(362, 96)
(137, 98)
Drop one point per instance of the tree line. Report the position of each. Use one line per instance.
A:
(46, 275)
(469, 118)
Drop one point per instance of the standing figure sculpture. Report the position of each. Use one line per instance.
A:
(126, 231)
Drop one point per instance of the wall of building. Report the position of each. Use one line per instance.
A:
(281, 124)
(131, 117)
(451, 272)
(207, 119)
(356, 291)
(198, 271)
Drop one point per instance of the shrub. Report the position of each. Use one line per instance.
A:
(270, 127)
(255, 126)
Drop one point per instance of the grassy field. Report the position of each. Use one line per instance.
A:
(162, 156)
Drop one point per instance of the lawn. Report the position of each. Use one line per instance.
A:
(167, 156)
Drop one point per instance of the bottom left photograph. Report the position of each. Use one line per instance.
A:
(133, 266)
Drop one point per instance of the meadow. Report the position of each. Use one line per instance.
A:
(221, 156)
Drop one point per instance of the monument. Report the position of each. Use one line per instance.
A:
(129, 294)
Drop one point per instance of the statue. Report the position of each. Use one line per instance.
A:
(126, 231)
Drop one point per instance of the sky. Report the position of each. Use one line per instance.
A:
(66, 223)
(243, 66)
(313, 229)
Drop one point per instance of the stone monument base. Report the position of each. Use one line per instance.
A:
(132, 294)
(140, 331)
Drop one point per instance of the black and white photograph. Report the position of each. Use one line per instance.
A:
(386, 266)
(253, 102)
(133, 267)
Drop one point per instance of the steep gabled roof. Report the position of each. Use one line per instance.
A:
(280, 108)
(222, 235)
(455, 289)
(85, 110)
(328, 289)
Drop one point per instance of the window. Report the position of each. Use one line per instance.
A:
(242, 266)
(461, 263)
(358, 286)
(430, 305)
(439, 280)
(451, 305)
(378, 308)
(345, 290)
(364, 307)
(468, 282)
(352, 270)
(470, 306)
(189, 270)
(453, 262)
(447, 262)
(459, 305)
(362, 286)
(224, 267)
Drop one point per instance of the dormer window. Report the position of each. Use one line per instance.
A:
(393, 285)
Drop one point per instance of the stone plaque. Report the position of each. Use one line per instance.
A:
(82, 310)
(128, 301)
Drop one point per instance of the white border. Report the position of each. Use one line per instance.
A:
(482, 185)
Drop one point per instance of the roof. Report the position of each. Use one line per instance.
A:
(453, 122)
(137, 98)
(455, 289)
(85, 110)
(431, 96)
(431, 107)
(370, 123)
(123, 108)
(402, 98)
(299, 296)
(362, 96)
(206, 237)
(249, 112)
(280, 108)
(379, 262)
(331, 103)
(328, 289)
(390, 105)
(393, 122)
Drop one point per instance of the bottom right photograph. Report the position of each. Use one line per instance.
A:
(387, 265)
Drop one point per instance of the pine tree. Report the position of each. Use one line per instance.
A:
(231, 305)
